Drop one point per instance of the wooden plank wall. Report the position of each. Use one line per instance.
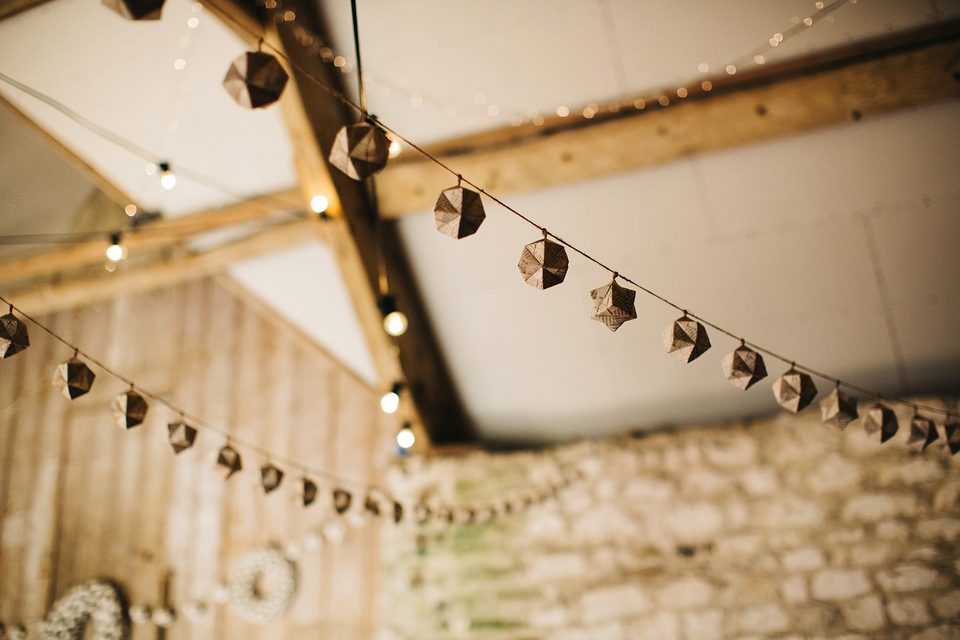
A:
(80, 498)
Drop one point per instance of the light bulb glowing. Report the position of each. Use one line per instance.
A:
(405, 437)
(115, 252)
(390, 402)
(395, 323)
(319, 204)
(168, 180)
(396, 147)
(130, 210)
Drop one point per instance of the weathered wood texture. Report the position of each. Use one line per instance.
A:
(80, 498)
(858, 81)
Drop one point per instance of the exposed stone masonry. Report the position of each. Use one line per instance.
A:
(782, 529)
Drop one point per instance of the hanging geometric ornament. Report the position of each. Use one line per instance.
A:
(228, 461)
(421, 513)
(270, 477)
(686, 339)
(397, 512)
(309, 492)
(182, 435)
(136, 9)
(543, 263)
(341, 500)
(882, 419)
(13, 335)
(458, 212)
(129, 409)
(923, 433)
(371, 505)
(73, 378)
(794, 390)
(255, 80)
(360, 150)
(444, 515)
(613, 305)
(743, 367)
(952, 431)
(838, 409)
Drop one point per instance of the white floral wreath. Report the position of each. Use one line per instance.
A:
(97, 602)
(279, 576)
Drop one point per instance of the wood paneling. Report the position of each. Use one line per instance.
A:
(81, 498)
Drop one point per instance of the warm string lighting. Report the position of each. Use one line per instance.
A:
(533, 115)
(792, 383)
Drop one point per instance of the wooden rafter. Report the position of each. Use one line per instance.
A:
(13, 7)
(163, 270)
(845, 84)
(361, 246)
(167, 232)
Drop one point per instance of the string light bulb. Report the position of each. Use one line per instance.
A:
(167, 179)
(395, 148)
(406, 437)
(115, 251)
(395, 322)
(390, 401)
(319, 204)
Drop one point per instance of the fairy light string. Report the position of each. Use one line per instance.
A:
(520, 115)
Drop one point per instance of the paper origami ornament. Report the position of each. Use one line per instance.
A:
(743, 367)
(228, 461)
(923, 433)
(341, 500)
(270, 477)
(136, 9)
(73, 378)
(13, 335)
(371, 505)
(309, 492)
(182, 435)
(686, 339)
(255, 80)
(880, 418)
(543, 263)
(444, 515)
(613, 305)
(421, 513)
(360, 150)
(952, 432)
(458, 212)
(838, 409)
(794, 390)
(129, 409)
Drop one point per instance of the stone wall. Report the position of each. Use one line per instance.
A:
(777, 529)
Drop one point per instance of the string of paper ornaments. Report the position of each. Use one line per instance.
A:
(74, 378)
(361, 150)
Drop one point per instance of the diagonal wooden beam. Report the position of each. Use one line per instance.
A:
(12, 7)
(167, 232)
(849, 83)
(58, 295)
(313, 118)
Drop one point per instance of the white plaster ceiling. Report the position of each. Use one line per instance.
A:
(781, 241)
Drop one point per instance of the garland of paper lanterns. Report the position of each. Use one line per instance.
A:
(361, 150)
(74, 378)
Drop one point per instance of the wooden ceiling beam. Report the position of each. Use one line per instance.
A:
(313, 117)
(53, 296)
(166, 232)
(858, 81)
(12, 7)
